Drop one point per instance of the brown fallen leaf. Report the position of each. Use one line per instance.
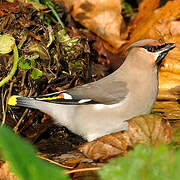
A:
(5, 174)
(101, 17)
(70, 160)
(169, 86)
(145, 129)
(172, 62)
(169, 109)
(146, 27)
(146, 9)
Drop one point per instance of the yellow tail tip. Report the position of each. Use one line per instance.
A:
(13, 100)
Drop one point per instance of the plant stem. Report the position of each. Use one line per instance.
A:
(14, 68)
(54, 12)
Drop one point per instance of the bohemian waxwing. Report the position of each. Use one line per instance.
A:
(102, 107)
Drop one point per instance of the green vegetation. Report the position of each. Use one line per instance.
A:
(146, 163)
(23, 161)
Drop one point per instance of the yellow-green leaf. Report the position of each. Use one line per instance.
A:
(7, 43)
(36, 73)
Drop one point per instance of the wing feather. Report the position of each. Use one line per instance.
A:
(104, 91)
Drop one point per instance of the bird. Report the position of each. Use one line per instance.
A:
(103, 107)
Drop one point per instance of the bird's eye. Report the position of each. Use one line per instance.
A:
(150, 48)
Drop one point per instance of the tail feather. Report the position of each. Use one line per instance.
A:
(59, 112)
(22, 101)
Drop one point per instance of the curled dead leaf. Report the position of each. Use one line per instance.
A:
(148, 129)
(39, 48)
(145, 129)
(148, 25)
(146, 8)
(101, 17)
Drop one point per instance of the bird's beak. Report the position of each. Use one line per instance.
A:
(163, 51)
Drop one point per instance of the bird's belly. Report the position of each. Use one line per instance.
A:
(94, 122)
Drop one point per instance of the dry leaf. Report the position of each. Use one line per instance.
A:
(172, 61)
(146, 10)
(146, 27)
(70, 160)
(101, 17)
(170, 110)
(145, 129)
(169, 86)
(5, 174)
(148, 129)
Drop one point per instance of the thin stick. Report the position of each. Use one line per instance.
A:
(20, 120)
(82, 170)
(3, 98)
(22, 117)
(53, 162)
(68, 167)
(3, 108)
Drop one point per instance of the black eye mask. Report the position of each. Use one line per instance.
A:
(151, 48)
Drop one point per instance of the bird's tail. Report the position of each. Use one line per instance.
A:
(22, 101)
(52, 109)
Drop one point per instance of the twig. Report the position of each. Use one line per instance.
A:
(22, 117)
(68, 167)
(23, 78)
(53, 162)
(3, 108)
(3, 98)
(82, 170)
(20, 120)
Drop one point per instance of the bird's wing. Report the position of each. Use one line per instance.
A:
(103, 91)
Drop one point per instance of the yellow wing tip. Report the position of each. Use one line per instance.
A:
(13, 100)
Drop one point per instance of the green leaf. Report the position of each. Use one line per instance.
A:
(7, 43)
(24, 64)
(23, 161)
(127, 8)
(36, 73)
(63, 36)
(150, 163)
(28, 63)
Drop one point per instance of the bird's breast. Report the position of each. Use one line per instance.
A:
(143, 92)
